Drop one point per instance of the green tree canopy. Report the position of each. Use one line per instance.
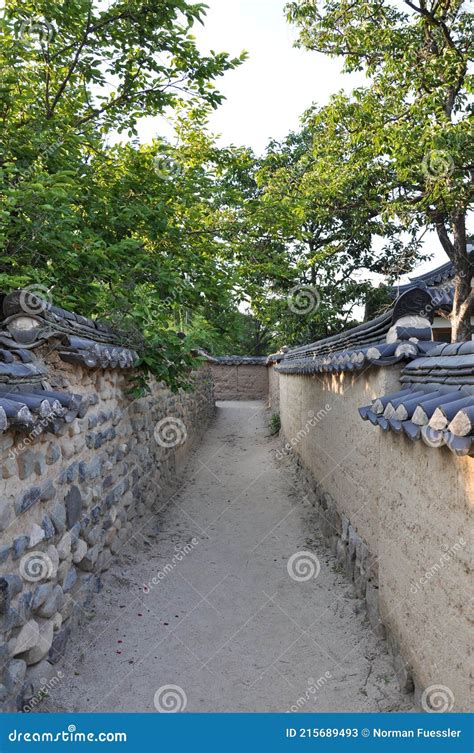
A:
(414, 117)
(119, 231)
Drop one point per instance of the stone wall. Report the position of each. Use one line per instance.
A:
(397, 516)
(70, 499)
(240, 382)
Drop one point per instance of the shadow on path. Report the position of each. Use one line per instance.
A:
(221, 618)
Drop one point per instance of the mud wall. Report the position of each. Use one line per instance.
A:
(273, 389)
(397, 515)
(240, 382)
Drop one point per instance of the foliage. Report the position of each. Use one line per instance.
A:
(275, 424)
(118, 231)
(411, 126)
(305, 234)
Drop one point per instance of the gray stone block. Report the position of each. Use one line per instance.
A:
(14, 674)
(48, 491)
(40, 464)
(10, 586)
(58, 645)
(8, 468)
(48, 527)
(23, 606)
(6, 513)
(27, 500)
(72, 473)
(73, 503)
(75, 532)
(41, 593)
(53, 453)
(43, 645)
(58, 516)
(67, 449)
(108, 482)
(70, 579)
(94, 535)
(53, 603)
(26, 464)
(87, 563)
(20, 545)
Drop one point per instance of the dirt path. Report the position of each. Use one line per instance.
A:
(226, 624)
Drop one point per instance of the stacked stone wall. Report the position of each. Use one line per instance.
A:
(71, 499)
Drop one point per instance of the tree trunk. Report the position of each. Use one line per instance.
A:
(464, 267)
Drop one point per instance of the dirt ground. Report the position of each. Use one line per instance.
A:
(221, 625)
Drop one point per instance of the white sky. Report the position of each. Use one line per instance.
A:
(266, 96)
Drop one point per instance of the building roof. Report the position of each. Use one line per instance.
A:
(27, 321)
(367, 343)
(436, 279)
(237, 360)
(436, 402)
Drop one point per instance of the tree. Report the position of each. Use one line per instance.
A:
(414, 116)
(110, 230)
(306, 235)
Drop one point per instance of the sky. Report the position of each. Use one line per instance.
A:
(266, 96)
